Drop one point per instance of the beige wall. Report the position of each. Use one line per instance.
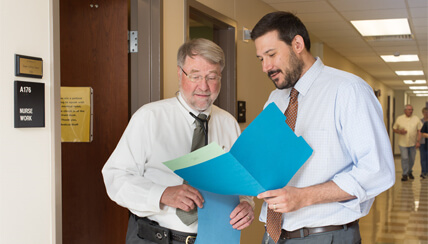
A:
(175, 22)
(27, 156)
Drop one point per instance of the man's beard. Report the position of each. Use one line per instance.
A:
(291, 76)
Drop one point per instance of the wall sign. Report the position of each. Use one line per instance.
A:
(76, 114)
(27, 66)
(29, 104)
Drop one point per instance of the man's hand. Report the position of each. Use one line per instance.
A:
(283, 200)
(289, 199)
(242, 216)
(183, 197)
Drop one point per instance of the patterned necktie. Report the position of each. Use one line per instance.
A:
(273, 222)
(198, 141)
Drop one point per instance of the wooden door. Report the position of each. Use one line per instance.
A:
(94, 53)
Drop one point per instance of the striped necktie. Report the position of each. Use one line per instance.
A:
(273, 221)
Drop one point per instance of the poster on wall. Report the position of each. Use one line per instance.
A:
(76, 114)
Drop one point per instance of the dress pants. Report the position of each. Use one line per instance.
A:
(424, 157)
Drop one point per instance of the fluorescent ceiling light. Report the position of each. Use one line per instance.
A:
(419, 92)
(414, 82)
(422, 95)
(382, 27)
(409, 72)
(418, 87)
(400, 58)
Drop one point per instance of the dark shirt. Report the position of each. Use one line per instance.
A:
(425, 130)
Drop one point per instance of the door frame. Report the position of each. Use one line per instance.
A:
(225, 35)
(146, 66)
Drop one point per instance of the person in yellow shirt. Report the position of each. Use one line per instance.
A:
(408, 127)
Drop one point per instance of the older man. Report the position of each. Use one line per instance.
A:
(408, 127)
(134, 175)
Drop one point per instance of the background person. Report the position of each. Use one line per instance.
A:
(423, 145)
(408, 127)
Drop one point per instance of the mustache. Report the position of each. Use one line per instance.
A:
(270, 73)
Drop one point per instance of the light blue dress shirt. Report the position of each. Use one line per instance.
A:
(342, 120)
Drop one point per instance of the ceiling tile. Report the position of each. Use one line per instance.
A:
(304, 7)
(347, 5)
(321, 26)
(289, 1)
(320, 17)
(419, 22)
(417, 3)
(405, 66)
(418, 12)
(346, 33)
(365, 59)
(375, 14)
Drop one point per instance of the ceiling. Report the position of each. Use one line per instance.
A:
(329, 21)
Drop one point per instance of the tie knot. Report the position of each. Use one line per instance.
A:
(202, 116)
(294, 93)
(200, 120)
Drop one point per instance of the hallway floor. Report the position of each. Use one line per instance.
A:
(399, 215)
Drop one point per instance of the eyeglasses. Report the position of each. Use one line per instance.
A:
(211, 78)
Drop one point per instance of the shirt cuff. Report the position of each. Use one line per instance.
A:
(155, 195)
(348, 184)
(248, 199)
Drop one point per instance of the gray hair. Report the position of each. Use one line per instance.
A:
(207, 49)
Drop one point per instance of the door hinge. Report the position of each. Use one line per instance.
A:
(133, 41)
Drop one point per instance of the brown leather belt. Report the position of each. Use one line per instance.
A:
(303, 232)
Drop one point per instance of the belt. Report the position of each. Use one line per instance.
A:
(161, 234)
(183, 238)
(303, 232)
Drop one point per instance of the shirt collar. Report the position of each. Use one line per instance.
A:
(306, 81)
(186, 109)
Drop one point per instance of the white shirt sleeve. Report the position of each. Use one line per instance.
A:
(124, 171)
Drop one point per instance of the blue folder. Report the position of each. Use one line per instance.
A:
(265, 157)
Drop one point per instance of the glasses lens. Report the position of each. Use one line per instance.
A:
(195, 78)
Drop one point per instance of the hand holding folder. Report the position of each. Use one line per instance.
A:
(265, 157)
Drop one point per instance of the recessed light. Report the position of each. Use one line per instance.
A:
(400, 58)
(409, 72)
(418, 87)
(382, 27)
(414, 82)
